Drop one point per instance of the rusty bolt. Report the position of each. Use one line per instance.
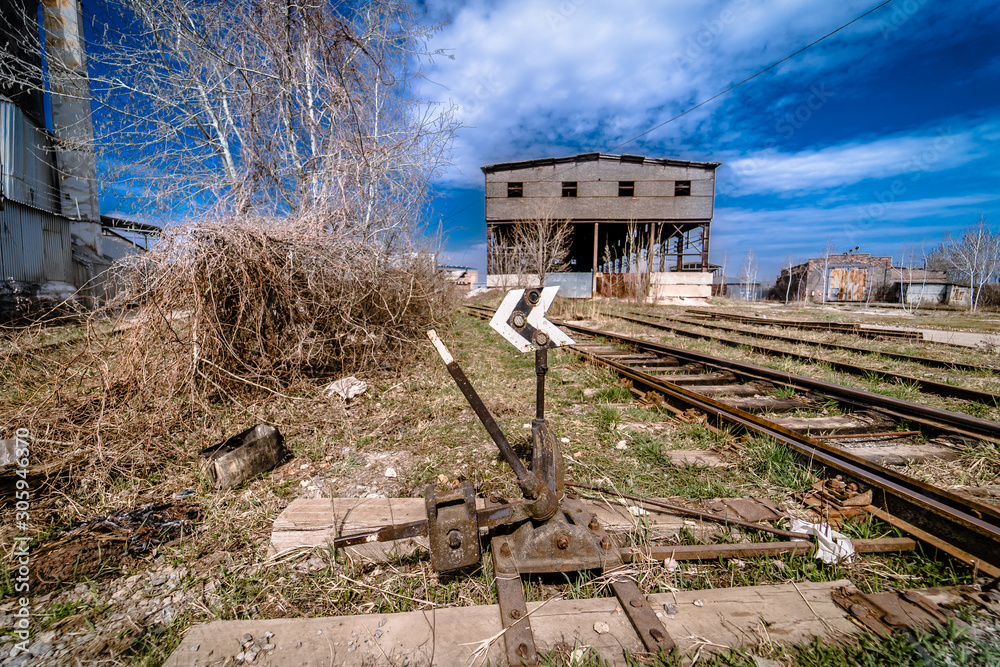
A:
(523, 652)
(605, 543)
(518, 320)
(656, 634)
(635, 602)
(541, 338)
(594, 523)
(454, 539)
(562, 541)
(532, 296)
(505, 550)
(515, 614)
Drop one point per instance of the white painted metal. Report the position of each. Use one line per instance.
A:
(536, 318)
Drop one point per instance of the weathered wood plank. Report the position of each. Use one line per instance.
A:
(706, 620)
(315, 522)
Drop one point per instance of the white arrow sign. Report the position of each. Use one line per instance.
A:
(521, 320)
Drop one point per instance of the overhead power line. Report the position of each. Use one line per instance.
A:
(753, 76)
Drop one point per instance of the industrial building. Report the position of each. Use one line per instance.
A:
(638, 225)
(53, 240)
(854, 277)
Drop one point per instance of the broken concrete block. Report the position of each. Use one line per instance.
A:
(236, 460)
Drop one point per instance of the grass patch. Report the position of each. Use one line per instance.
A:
(773, 464)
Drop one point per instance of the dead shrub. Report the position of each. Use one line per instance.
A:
(263, 303)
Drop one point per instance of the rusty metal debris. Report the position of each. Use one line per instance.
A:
(883, 613)
(104, 543)
(232, 462)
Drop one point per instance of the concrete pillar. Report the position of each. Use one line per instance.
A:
(72, 121)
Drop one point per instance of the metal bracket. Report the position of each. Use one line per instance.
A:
(453, 528)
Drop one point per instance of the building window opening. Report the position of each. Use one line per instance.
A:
(682, 188)
(569, 189)
(626, 188)
(515, 189)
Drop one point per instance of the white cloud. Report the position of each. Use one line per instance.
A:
(541, 78)
(821, 169)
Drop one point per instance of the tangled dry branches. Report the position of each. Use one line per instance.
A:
(266, 302)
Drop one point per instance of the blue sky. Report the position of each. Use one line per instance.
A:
(883, 136)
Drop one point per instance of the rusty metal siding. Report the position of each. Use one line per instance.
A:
(35, 245)
(848, 284)
(27, 159)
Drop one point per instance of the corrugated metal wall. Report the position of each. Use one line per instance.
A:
(35, 245)
(27, 160)
(847, 284)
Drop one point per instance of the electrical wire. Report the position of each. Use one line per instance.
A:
(754, 76)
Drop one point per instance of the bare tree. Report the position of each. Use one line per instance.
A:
(907, 266)
(507, 260)
(748, 275)
(974, 258)
(828, 250)
(545, 241)
(268, 107)
(790, 263)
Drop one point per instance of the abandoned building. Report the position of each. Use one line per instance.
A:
(853, 277)
(639, 226)
(53, 239)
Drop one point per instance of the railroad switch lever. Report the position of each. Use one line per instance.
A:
(546, 532)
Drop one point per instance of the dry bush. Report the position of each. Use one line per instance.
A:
(264, 303)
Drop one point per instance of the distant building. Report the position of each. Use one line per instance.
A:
(666, 204)
(464, 278)
(854, 277)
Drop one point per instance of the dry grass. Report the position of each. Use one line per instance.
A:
(268, 302)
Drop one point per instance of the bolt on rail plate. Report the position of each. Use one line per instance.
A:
(521, 320)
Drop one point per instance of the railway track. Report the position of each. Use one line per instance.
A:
(853, 328)
(928, 386)
(930, 362)
(734, 394)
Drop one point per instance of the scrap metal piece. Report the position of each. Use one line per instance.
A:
(561, 544)
(453, 528)
(521, 320)
(883, 613)
(647, 625)
(517, 637)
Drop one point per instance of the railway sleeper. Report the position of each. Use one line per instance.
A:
(766, 404)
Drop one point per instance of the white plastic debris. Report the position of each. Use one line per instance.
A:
(831, 547)
(390, 472)
(621, 445)
(348, 388)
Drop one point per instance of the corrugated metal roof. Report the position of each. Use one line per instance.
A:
(587, 157)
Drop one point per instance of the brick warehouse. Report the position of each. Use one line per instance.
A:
(666, 204)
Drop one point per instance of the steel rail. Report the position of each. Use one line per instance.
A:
(839, 327)
(953, 519)
(928, 386)
(964, 528)
(852, 328)
(936, 418)
(897, 356)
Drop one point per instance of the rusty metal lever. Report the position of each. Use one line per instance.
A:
(543, 501)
